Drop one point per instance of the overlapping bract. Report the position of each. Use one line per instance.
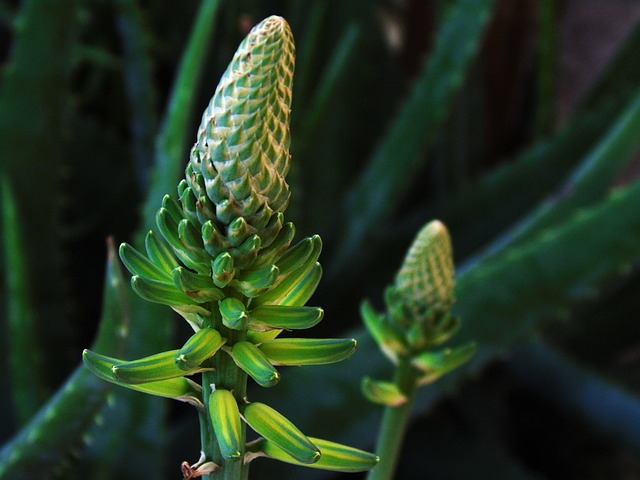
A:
(225, 262)
(418, 315)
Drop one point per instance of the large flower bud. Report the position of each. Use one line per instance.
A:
(236, 174)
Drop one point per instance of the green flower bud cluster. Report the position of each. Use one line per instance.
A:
(418, 315)
(225, 262)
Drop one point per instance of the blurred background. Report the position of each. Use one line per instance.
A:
(516, 122)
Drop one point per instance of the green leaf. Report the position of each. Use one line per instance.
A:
(254, 362)
(589, 182)
(139, 83)
(225, 417)
(267, 317)
(334, 456)
(277, 429)
(59, 425)
(201, 345)
(610, 407)
(382, 392)
(178, 388)
(401, 152)
(35, 113)
(25, 356)
(308, 351)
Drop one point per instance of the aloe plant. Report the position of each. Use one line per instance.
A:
(225, 262)
(418, 318)
(378, 148)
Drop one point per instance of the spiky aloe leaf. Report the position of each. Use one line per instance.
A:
(139, 418)
(421, 117)
(25, 359)
(64, 420)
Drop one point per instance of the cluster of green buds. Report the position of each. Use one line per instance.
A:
(418, 320)
(225, 261)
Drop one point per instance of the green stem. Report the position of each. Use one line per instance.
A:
(227, 375)
(394, 424)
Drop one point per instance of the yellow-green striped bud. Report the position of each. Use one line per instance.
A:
(426, 279)
(241, 158)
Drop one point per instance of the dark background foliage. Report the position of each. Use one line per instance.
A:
(510, 120)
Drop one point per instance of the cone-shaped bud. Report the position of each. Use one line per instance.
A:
(242, 150)
(426, 279)
(232, 199)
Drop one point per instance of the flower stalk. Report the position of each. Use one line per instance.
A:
(225, 261)
(411, 333)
